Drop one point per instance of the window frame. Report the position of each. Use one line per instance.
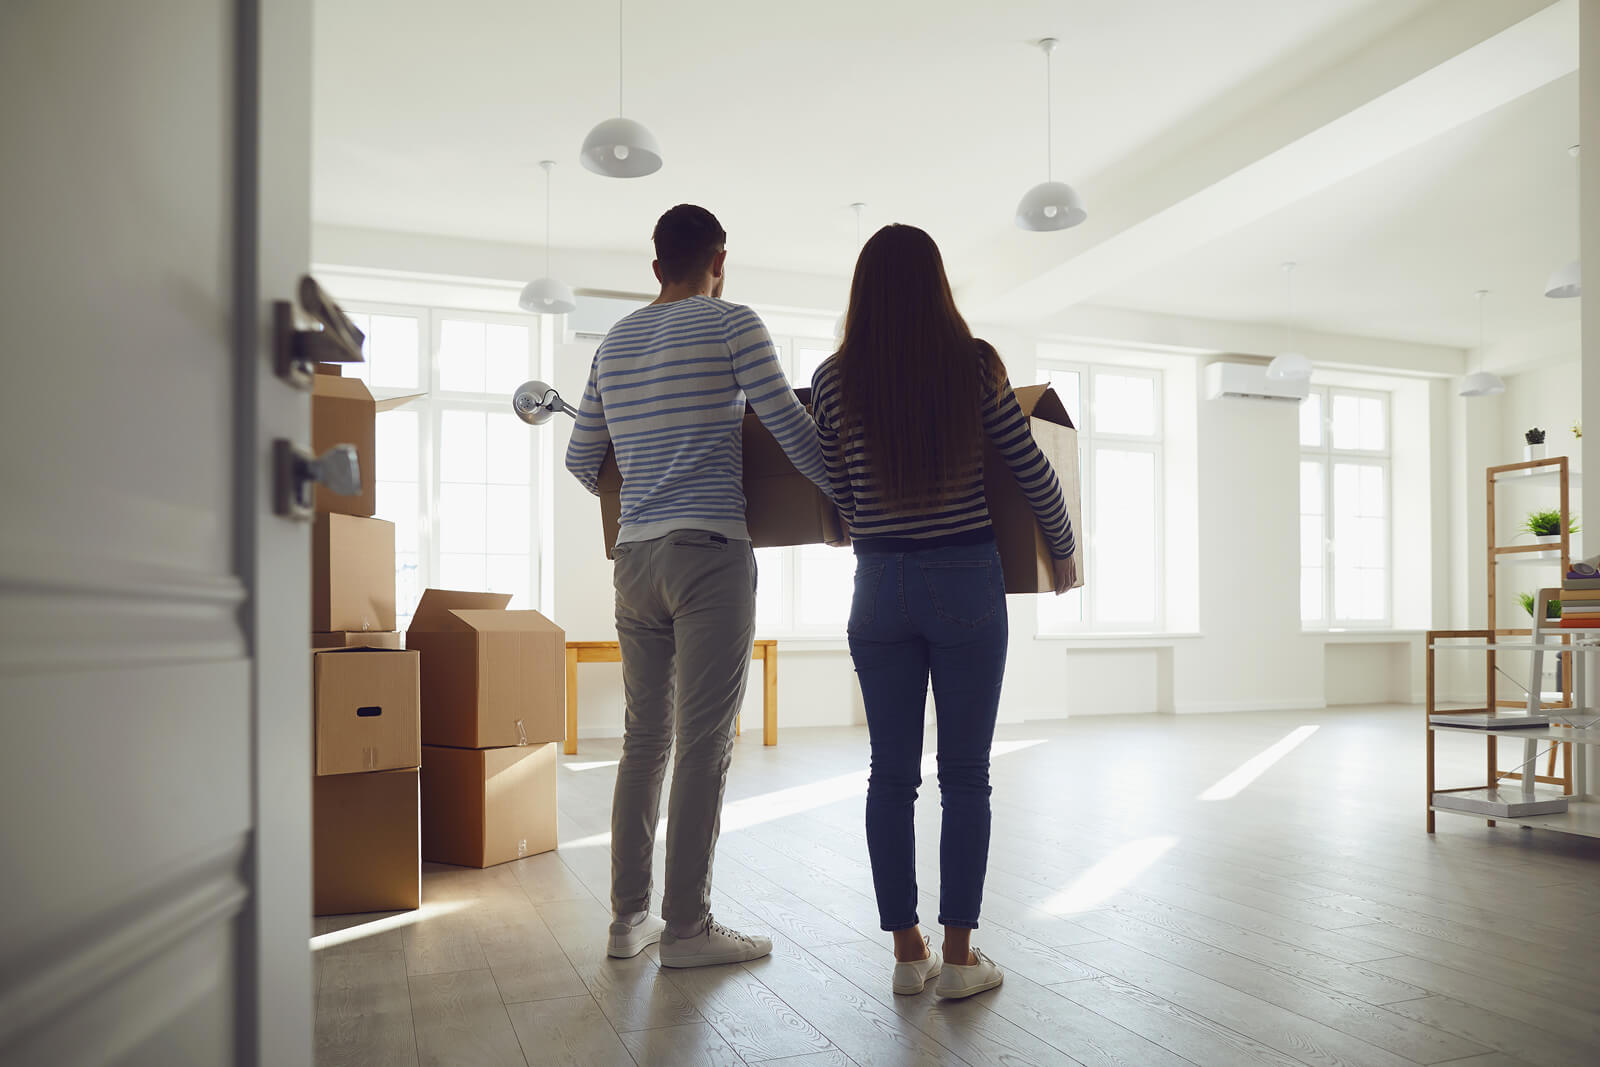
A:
(1326, 455)
(1091, 441)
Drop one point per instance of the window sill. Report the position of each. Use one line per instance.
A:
(1379, 636)
(1130, 639)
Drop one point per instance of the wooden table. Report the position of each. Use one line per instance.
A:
(610, 652)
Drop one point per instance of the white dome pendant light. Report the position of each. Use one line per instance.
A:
(620, 147)
(1289, 365)
(1051, 205)
(1481, 382)
(546, 296)
(1567, 282)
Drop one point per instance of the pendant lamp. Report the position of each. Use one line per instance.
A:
(1568, 281)
(1050, 205)
(621, 147)
(1481, 382)
(547, 296)
(1289, 365)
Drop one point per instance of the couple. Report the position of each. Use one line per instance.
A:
(901, 414)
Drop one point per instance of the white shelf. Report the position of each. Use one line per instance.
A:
(1529, 559)
(1582, 817)
(1549, 476)
(1590, 736)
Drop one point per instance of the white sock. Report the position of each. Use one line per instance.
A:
(633, 918)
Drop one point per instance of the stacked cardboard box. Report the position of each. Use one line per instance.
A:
(493, 708)
(366, 688)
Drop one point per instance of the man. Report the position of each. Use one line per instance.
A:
(667, 391)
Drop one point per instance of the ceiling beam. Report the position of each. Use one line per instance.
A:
(1452, 63)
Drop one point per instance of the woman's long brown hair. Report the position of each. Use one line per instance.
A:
(913, 377)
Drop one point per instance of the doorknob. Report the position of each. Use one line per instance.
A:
(296, 472)
(333, 338)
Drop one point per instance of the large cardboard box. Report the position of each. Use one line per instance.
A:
(343, 412)
(366, 851)
(352, 574)
(491, 678)
(359, 639)
(366, 710)
(1024, 553)
(483, 806)
(782, 506)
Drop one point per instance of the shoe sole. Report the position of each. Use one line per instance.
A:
(911, 991)
(961, 994)
(628, 950)
(713, 961)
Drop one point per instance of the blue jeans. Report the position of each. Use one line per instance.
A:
(941, 614)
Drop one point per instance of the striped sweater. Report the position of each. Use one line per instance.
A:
(667, 390)
(964, 517)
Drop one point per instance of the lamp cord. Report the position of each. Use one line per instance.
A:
(1288, 307)
(619, 58)
(547, 222)
(1049, 121)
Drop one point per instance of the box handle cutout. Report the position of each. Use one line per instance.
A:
(371, 712)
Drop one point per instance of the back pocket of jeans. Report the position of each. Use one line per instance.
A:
(962, 591)
(864, 601)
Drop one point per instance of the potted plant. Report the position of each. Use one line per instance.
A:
(1534, 449)
(1545, 526)
(1552, 610)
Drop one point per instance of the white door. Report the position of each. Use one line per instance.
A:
(154, 723)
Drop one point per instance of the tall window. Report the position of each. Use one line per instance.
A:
(1344, 508)
(455, 469)
(1118, 413)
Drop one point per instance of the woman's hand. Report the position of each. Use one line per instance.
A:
(1066, 573)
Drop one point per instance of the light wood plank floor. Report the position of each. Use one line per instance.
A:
(1304, 919)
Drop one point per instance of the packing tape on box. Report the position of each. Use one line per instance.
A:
(522, 733)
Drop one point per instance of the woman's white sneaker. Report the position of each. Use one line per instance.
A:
(628, 940)
(911, 976)
(714, 944)
(964, 980)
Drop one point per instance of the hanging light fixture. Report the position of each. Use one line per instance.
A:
(1568, 281)
(621, 147)
(1481, 382)
(547, 296)
(1051, 205)
(1289, 365)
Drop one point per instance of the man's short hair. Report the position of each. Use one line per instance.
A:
(687, 239)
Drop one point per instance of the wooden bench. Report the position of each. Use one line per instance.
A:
(609, 652)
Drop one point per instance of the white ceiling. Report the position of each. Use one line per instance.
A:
(1398, 250)
(432, 118)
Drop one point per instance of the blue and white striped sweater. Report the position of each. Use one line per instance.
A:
(668, 390)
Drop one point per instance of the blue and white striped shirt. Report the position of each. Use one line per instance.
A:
(667, 390)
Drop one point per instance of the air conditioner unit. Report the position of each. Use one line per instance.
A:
(595, 313)
(1249, 381)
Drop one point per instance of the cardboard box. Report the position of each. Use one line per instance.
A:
(491, 678)
(343, 412)
(352, 574)
(782, 506)
(483, 806)
(366, 710)
(1024, 553)
(359, 639)
(366, 850)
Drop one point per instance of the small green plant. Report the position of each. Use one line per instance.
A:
(1548, 523)
(1552, 610)
(1577, 428)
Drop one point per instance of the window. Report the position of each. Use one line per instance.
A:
(455, 469)
(1344, 508)
(1118, 412)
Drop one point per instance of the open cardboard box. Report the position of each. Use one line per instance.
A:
(1024, 554)
(782, 506)
(483, 806)
(491, 678)
(344, 412)
(366, 710)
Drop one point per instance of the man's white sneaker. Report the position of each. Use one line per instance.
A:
(911, 976)
(714, 944)
(964, 980)
(627, 941)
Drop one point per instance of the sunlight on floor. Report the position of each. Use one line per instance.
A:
(781, 803)
(374, 927)
(590, 766)
(1116, 872)
(1237, 780)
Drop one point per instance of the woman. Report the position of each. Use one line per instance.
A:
(904, 409)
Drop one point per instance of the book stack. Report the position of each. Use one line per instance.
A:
(1580, 597)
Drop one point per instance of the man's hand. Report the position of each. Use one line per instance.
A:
(1066, 573)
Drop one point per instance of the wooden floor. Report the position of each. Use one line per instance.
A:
(1308, 919)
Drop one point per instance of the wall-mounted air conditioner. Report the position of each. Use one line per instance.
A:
(1249, 381)
(598, 312)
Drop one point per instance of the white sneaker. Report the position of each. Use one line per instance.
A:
(628, 941)
(964, 980)
(712, 945)
(910, 977)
